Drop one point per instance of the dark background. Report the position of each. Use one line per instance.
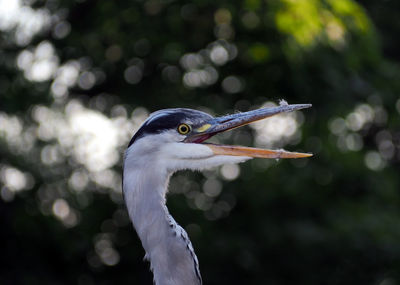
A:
(78, 77)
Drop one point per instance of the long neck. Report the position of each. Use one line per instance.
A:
(167, 245)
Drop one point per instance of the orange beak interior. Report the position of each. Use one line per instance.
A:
(254, 152)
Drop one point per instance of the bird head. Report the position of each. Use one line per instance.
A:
(175, 139)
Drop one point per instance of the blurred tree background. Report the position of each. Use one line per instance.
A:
(77, 78)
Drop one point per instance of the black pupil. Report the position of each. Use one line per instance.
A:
(184, 129)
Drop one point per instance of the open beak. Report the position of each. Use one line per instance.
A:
(221, 124)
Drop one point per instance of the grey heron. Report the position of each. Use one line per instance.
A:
(168, 141)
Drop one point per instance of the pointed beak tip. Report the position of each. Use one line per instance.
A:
(303, 106)
(295, 155)
(304, 155)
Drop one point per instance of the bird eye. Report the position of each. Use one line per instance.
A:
(183, 129)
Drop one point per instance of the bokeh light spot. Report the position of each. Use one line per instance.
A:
(230, 171)
(61, 30)
(133, 74)
(61, 209)
(212, 187)
(232, 84)
(86, 80)
(219, 55)
(374, 161)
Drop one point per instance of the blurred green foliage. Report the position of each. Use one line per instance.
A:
(331, 219)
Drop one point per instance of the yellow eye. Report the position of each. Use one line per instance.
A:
(183, 129)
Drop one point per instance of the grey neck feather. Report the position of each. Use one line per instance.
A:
(167, 245)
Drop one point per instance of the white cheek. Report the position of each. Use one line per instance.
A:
(179, 156)
(188, 150)
(217, 161)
